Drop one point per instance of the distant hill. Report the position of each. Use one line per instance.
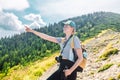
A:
(25, 48)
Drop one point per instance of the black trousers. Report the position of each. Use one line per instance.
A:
(60, 75)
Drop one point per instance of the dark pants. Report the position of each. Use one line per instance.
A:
(59, 74)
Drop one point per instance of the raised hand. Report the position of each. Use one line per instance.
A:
(28, 29)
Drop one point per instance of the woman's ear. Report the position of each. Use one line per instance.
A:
(73, 31)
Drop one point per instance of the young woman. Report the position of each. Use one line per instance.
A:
(67, 70)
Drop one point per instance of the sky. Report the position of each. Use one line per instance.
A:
(15, 14)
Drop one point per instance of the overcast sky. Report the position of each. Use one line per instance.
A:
(14, 14)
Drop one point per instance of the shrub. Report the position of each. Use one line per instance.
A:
(118, 76)
(104, 67)
(108, 52)
(111, 78)
(92, 73)
(119, 65)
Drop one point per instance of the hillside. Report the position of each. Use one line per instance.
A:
(31, 71)
(98, 68)
(27, 48)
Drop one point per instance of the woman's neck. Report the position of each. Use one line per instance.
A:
(68, 35)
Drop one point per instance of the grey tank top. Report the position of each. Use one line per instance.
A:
(67, 52)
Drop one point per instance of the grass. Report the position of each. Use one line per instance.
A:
(30, 72)
(91, 73)
(100, 34)
(105, 67)
(103, 32)
(2, 75)
(118, 76)
(111, 78)
(87, 41)
(108, 52)
(118, 65)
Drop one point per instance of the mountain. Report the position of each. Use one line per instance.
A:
(25, 48)
(91, 24)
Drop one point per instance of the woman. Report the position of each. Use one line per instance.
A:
(67, 70)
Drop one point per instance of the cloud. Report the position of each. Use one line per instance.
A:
(70, 8)
(36, 20)
(14, 4)
(34, 25)
(0, 9)
(6, 33)
(8, 21)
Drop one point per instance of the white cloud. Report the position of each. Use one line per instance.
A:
(14, 4)
(70, 8)
(0, 9)
(36, 19)
(8, 21)
(6, 33)
(34, 25)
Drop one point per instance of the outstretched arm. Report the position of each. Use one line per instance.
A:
(42, 35)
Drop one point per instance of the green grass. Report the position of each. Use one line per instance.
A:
(118, 64)
(118, 76)
(111, 78)
(107, 53)
(30, 72)
(103, 32)
(115, 78)
(105, 67)
(2, 75)
(91, 73)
